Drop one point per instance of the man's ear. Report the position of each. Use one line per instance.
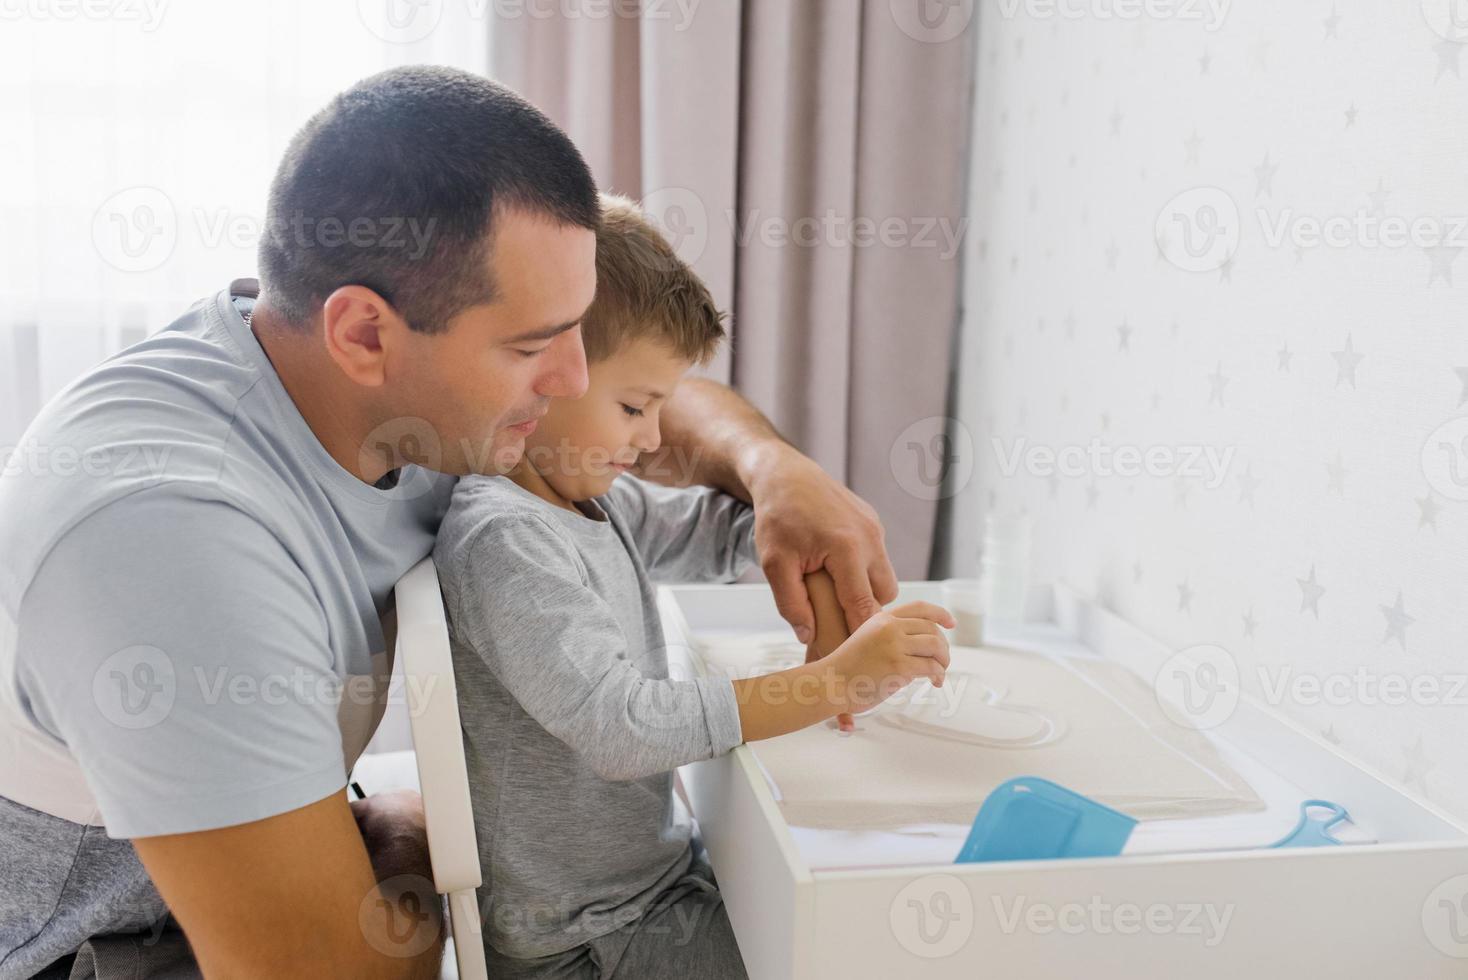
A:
(359, 328)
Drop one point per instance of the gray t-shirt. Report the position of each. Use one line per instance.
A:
(572, 725)
(191, 620)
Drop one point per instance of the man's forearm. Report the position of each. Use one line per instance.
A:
(712, 437)
(804, 519)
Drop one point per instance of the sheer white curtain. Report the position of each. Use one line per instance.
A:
(137, 141)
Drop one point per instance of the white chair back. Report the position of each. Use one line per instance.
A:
(433, 710)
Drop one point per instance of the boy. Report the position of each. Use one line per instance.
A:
(572, 726)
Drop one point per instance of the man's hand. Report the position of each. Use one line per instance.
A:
(803, 521)
(395, 831)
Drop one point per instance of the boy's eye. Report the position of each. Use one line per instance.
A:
(531, 353)
(635, 412)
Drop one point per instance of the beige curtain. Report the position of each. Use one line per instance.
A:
(807, 157)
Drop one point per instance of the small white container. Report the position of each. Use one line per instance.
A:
(1004, 563)
(964, 598)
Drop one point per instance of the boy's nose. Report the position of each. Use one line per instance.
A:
(648, 439)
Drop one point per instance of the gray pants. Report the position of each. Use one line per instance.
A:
(684, 933)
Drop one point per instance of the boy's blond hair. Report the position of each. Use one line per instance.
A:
(644, 291)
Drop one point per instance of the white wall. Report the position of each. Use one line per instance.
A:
(1319, 373)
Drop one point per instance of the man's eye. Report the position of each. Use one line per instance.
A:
(531, 353)
(635, 412)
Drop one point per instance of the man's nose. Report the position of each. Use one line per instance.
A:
(565, 368)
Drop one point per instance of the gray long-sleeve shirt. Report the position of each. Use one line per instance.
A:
(572, 725)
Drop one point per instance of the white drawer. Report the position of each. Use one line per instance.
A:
(1394, 908)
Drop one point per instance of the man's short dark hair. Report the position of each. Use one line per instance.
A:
(395, 185)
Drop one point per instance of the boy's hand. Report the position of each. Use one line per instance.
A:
(889, 651)
(884, 655)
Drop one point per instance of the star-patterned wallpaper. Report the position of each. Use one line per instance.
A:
(1215, 343)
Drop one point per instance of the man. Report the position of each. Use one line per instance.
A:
(203, 532)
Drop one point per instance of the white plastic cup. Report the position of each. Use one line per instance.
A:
(1005, 565)
(964, 598)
